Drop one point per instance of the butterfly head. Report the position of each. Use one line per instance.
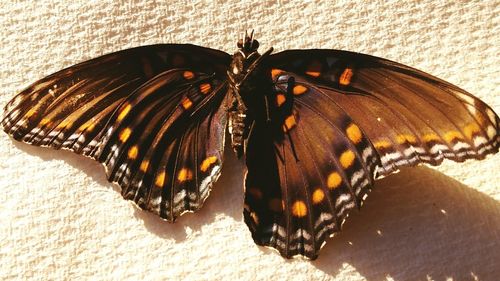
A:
(248, 44)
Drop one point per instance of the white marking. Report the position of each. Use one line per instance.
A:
(419, 150)
(360, 187)
(345, 208)
(358, 175)
(461, 145)
(208, 181)
(81, 138)
(179, 197)
(466, 98)
(479, 140)
(472, 109)
(308, 247)
(301, 233)
(388, 157)
(491, 116)
(327, 227)
(342, 199)
(322, 218)
(483, 149)
(155, 203)
(491, 132)
(192, 195)
(279, 230)
(438, 148)
(367, 152)
(409, 151)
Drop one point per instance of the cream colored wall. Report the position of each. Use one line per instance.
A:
(61, 219)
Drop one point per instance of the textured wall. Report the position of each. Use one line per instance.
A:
(61, 219)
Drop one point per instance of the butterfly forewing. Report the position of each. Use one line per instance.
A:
(152, 115)
(70, 108)
(409, 116)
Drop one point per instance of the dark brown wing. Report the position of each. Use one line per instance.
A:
(152, 115)
(410, 117)
(340, 119)
(75, 103)
(307, 169)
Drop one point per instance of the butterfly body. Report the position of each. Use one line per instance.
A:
(250, 86)
(316, 127)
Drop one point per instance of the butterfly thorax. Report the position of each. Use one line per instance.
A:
(248, 82)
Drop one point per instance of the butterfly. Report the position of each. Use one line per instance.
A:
(315, 127)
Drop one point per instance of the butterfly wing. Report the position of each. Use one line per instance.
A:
(152, 115)
(409, 116)
(306, 170)
(340, 119)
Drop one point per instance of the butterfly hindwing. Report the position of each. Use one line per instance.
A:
(324, 166)
(153, 115)
(165, 151)
(410, 117)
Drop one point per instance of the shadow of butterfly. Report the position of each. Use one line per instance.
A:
(316, 127)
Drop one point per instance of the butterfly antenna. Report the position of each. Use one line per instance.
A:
(251, 37)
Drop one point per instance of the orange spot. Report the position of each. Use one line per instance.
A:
(403, 138)
(275, 73)
(452, 135)
(207, 163)
(188, 75)
(205, 88)
(334, 180)
(347, 158)
(255, 193)
(299, 90)
(289, 123)
(186, 103)
(280, 99)
(65, 124)
(299, 209)
(382, 144)
(144, 166)
(471, 129)
(276, 205)
(132, 152)
(160, 179)
(318, 196)
(345, 77)
(185, 175)
(44, 121)
(30, 113)
(124, 134)
(124, 112)
(90, 127)
(431, 137)
(354, 133)
(314, 69)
